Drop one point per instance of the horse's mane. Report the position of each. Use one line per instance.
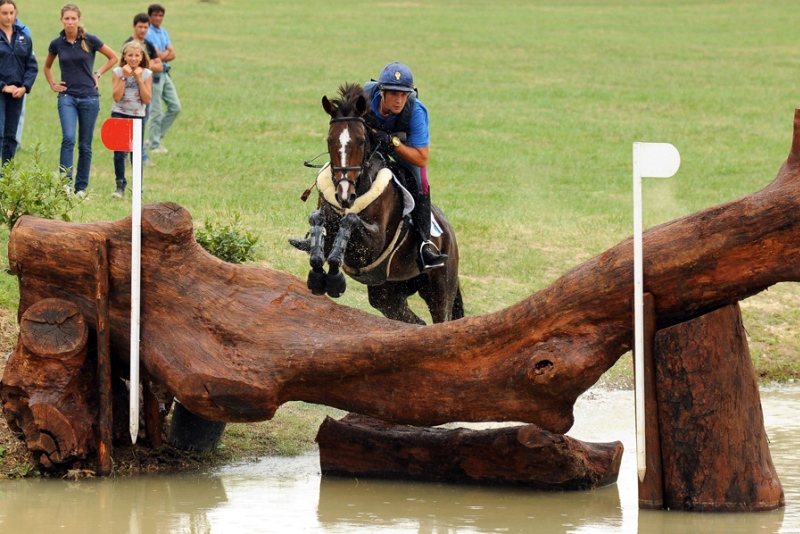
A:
(348, 96)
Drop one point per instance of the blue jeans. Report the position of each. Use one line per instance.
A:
(160, 120)
(10, 110)
(119, 157)
(77, 114)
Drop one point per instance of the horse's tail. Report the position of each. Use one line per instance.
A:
(458, 306)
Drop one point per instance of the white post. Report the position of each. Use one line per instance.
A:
(136, 269)
(650, 160)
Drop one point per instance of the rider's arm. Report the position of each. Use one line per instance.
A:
(415, 156)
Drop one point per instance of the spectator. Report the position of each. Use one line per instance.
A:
(132, 85)
(141, 23)
(24, 98)
(161, 120)
(18, 70)
(78, 97)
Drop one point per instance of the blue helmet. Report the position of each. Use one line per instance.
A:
(396, 77)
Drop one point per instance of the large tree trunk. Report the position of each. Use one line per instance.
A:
(361, 446)
(713, 443)
(48, 390)
(233, 343)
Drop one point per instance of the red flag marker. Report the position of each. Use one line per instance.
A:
(117, 134)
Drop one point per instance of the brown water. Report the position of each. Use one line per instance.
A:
(283, 495)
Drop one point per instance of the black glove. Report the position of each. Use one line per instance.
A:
(383, 141)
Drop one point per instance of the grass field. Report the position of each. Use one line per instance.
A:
(534, 107)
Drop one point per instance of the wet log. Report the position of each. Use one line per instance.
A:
(48, 391)
(361, 446)
(713, 442)
(233, 343)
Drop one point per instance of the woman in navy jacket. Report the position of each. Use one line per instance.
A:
(18, 70)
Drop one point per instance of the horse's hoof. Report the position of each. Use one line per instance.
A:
(316, 282)
(301, 244)
(335, 285)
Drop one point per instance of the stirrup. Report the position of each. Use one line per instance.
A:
(437, 259)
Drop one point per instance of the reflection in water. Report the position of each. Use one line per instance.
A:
(351, 505)
(288, 495)
(140, 505)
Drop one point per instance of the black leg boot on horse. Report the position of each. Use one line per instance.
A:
(429, 254)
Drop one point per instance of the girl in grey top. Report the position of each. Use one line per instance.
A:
(132, 87)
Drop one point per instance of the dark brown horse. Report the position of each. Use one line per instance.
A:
(360, 226)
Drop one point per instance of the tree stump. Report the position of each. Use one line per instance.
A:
(48, 391)
(361, 446)
(714, 447)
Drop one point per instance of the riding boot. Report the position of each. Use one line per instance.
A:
(429, 254)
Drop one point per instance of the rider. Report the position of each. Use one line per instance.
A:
(397, 111)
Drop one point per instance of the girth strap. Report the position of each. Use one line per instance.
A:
(377, 272)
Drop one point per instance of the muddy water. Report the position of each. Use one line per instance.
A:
(288, 495)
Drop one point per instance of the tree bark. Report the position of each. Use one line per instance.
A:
(714, 446)
(233, 343)
(360, 446)
(48, 391)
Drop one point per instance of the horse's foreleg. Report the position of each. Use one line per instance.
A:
(391, 299)
(316, 276)
(335, 282)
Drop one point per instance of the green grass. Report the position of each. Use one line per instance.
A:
(534, 106)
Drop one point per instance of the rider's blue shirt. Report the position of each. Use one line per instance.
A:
(418, 130)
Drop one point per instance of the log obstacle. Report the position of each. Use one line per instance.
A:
(232, 343)
(361, 446)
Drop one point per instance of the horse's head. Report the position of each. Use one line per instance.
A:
(347, 140)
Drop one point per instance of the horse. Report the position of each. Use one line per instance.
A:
(361, 224)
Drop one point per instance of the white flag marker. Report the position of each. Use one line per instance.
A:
(650, 160)
(136, 272)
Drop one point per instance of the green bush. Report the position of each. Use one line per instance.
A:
(227, 241)
(32, 189)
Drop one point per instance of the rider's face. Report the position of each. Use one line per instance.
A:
(393, 101)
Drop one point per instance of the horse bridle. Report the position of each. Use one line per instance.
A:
(364, 158)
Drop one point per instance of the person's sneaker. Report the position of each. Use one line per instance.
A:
(147, 162)
(81, 194)
(159, 150)
(119, 193)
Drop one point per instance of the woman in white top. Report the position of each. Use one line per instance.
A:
(132, 86)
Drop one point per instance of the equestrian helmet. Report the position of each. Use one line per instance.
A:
(396, 77)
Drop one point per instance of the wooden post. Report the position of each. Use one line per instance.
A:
(105, 410)
(152, 418)
(713, 442)
(48, 391)
(651, 489)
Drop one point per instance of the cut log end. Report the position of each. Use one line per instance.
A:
(168, 219)
(53, 327)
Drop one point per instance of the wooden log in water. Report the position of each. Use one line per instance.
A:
(49, 391)
(361, 446)
(714, 446)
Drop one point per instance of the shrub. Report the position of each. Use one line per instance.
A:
(32, 189)
(227, 241)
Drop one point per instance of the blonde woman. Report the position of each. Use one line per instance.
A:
(78, 96)
(132, 87)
